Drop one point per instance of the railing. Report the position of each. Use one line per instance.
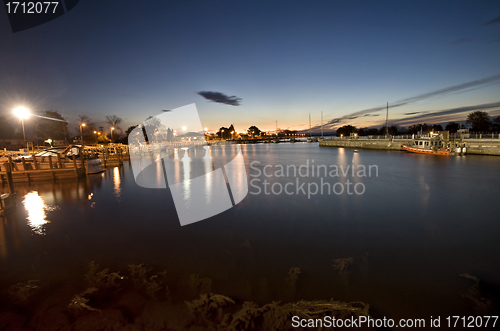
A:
(417, 136)
(482, 136)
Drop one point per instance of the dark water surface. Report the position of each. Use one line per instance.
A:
(420, 223)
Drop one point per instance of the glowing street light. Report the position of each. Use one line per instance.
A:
(23, 113)
(82, 125)
(112, 129)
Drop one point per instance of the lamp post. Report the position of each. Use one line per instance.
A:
(232, 135)
(23, 113)
(112, 129)
(81, 132)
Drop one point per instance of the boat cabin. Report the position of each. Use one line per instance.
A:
(428, 143)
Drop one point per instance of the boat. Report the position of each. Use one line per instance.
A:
(440, 151)
(434, 146)
(92, 161)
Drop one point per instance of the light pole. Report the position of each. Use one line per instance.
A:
(232, 135)
(23, 113)
(112, 129)
(81, 132)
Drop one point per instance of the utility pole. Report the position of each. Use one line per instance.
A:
(387, 121)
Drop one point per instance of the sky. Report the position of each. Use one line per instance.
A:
(433, 61)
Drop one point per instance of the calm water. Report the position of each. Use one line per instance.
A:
(420, 222)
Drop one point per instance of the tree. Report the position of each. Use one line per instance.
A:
(225, 133)
(479, 120)
(393, 130)
(130, 129)
(437, 127)
(253, 131)
(367, 132)
(114, 121)
(453, 127)
(417, 128)
(88, 129)
(151, 126)
(6, 130)
(52, 125)
(346, 130)
(495, 124)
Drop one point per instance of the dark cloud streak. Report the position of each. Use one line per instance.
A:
(221, 98)
(492, 22)
(441, 115)
(492, 80)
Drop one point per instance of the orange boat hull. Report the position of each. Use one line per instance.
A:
(426, 151)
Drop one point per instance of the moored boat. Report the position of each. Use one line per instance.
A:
(434, 146)
(440, 151)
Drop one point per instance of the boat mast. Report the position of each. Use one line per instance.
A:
(309, 124)
(321, 124)
(387, 121)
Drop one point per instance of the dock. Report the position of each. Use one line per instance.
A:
(35, 168)
(478, 144)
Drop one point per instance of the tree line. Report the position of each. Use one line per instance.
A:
(477, 121)
(50, 124)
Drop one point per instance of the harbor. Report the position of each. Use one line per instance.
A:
(478, 144)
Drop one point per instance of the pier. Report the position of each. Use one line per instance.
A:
(479, 144)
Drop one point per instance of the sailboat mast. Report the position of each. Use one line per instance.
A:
(387, 120)
(309, 124)
(322, 124)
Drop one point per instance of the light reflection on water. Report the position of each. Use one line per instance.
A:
(414, 220)
(116, 182)
(36, 208)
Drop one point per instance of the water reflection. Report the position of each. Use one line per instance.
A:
(35, 206)
(116, 182)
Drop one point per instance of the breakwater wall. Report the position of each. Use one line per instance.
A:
(474, 146)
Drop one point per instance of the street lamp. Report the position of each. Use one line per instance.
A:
(23, 113)
(232, 134)
(81, 132)
(112, 129)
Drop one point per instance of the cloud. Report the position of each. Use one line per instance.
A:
(492, 80)
(416, 112)
(446, 115)
(492, 22)
(221, 98)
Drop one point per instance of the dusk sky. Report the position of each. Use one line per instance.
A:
(284, 59)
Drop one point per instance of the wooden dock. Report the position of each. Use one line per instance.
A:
(36, 168)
